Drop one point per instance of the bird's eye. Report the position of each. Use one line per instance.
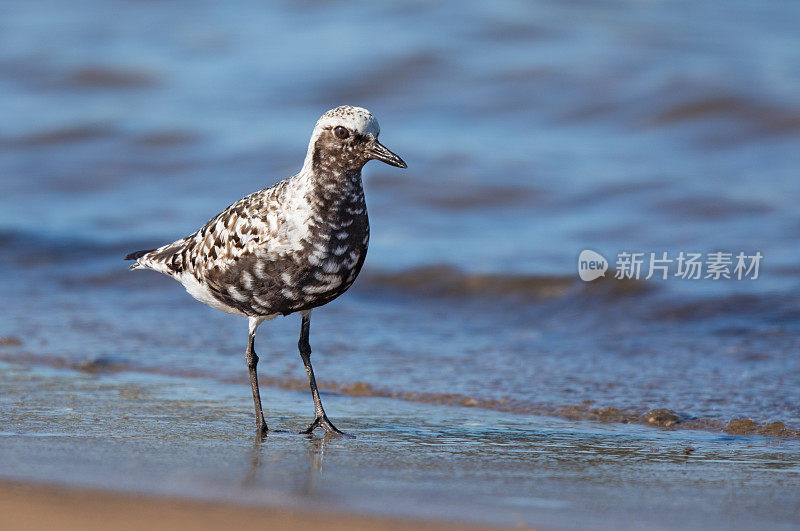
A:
(341, 132)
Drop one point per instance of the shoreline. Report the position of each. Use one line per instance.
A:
(42, 506)
(166, 441)
(662, 418)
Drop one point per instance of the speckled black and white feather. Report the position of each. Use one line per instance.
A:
(291, 247)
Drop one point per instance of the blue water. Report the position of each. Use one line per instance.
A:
(616, 126)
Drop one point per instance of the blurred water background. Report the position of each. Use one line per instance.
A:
(532, 131)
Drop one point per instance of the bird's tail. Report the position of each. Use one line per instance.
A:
(168, 259)
(136, 256)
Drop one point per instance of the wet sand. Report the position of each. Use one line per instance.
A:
(26, 506)
(32, 506)
(169, 437)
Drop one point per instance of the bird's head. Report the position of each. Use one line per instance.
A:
(346, 138)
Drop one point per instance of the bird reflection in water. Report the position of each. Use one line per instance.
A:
(316, 453)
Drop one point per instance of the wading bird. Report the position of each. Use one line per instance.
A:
(288, 248)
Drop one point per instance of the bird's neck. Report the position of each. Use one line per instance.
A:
(334, 194)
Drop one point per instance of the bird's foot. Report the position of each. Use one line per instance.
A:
(322, 421)
(261, 429)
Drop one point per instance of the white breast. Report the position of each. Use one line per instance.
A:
(201, 293)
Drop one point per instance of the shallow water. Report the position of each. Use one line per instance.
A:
(532, 132)
(120, 432)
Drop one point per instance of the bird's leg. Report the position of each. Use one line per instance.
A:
(252, 360)
(320, 418)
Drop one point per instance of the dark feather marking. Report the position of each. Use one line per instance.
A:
(138, 254)
(263, 283)
(172, 256)
(296, 266)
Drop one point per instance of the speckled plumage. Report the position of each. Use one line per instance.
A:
(288, 248)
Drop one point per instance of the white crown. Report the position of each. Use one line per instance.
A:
(356, 119)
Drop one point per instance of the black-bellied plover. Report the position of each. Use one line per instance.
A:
(288, 248)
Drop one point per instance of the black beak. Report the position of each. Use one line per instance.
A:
(379, 152)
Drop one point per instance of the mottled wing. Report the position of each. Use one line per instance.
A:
(251, 257)
(254, 222)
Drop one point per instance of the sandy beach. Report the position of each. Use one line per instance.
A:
(31, 506)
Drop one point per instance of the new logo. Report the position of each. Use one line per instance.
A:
(591, 265)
